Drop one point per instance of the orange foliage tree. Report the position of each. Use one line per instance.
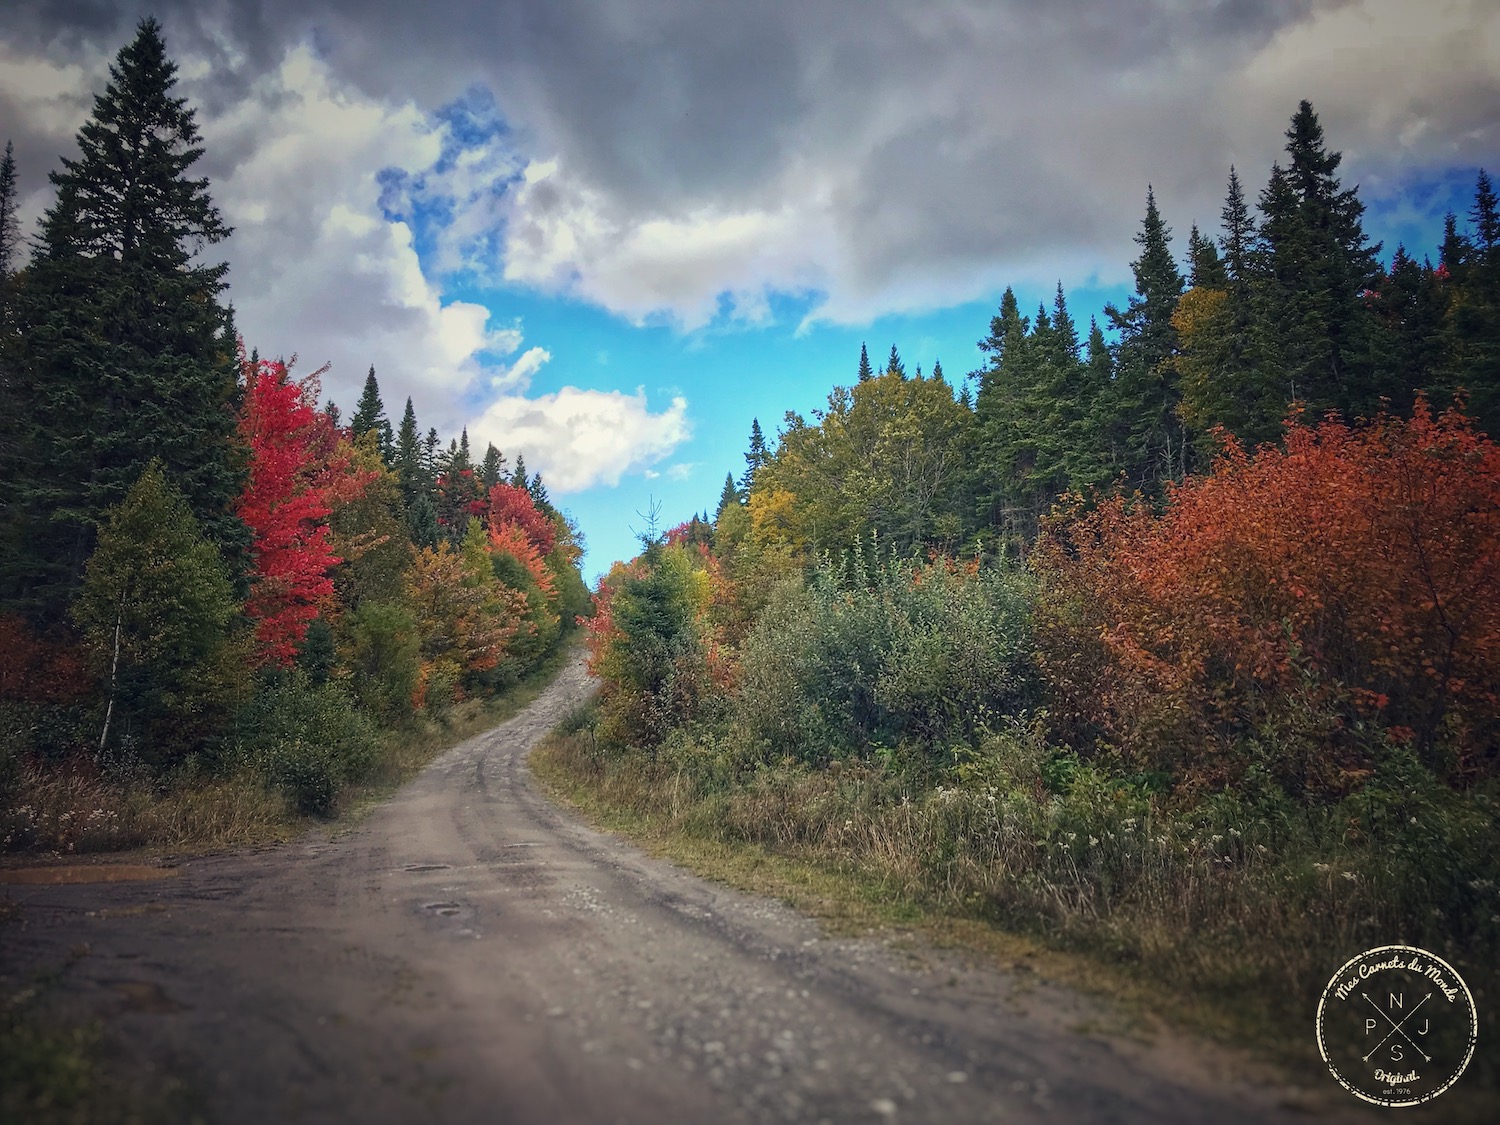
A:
(1303, 604)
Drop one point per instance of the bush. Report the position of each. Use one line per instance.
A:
(1299, 606)
(309, 741)
(884, 655)
(385, 659)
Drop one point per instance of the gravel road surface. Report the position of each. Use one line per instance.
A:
(470, 953)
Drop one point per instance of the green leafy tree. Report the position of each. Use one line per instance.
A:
(123, 345)
(158, 615)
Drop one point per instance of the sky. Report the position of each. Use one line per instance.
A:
(606, 234)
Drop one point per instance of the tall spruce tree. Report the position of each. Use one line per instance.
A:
(10, 223)
(1146, 393)
(755, 457)
(1315, 271)
(369, 414)
(491, 468)
(10, 252)
(893, 365)
(1472, 330)
(866, 372)
(729, 496)
(124, 351)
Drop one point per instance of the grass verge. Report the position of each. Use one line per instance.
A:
(839, 847)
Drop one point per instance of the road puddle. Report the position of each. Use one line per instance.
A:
(83, 873)
(447, 909)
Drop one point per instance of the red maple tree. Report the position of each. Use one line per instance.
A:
(299, 465)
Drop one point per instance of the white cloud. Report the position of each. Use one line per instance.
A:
(518, 378)
(581, 438)
(315, 266)
(563, 236)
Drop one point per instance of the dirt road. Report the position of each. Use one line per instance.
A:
(470, 953)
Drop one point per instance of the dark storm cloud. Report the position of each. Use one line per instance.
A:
(897, 140)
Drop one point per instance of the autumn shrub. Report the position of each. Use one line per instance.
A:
(1301, 608)
(308, 740)
(872, 656)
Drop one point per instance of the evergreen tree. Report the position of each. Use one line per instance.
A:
(122, 345)
(10, 223)
(408, 455)
(1237, 236)
(1316, 335)
(1146, 391)
(1485, 213)
(539, 497)
(866, 372)
(756, 456)
(1472, 328)
(730, 495)
(1004, 441)
(519, 479)
(369, 414)
(10, 248)
(937, 370)
(894, 366)
(157, 613)
(1205, 270)
(491, 468)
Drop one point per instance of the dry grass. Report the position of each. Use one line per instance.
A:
(75, 807)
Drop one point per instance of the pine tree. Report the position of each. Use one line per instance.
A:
(866, 372)
(1472, 330)
(1205, 270)
(10, 248)
(1485, 213)
(1316, 335)
(157, 614)
(1153, 438)
(937, 370)
(10, 223)
(894, 366)
(123, 348)
(491, 468)
(369, 414)
(1237, 236)
(1004, 441)
(730, 495)
(755, 457)
(408, 456)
